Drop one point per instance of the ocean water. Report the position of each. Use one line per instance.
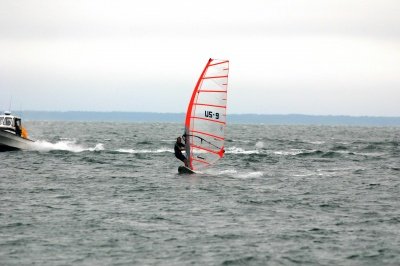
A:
(109, 194)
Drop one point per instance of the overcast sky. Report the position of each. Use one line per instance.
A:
(338, 57)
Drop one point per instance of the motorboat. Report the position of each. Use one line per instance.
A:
(13, 136)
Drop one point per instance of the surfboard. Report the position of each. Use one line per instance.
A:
(184, 170)
(205, 120)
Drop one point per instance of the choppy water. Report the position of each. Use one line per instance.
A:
(109, 194)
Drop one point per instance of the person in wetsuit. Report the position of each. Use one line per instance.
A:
(179, 147)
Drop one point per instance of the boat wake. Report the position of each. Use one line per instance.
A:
(161, 150)
(65, 145)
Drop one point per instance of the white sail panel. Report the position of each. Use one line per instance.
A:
(206, 116)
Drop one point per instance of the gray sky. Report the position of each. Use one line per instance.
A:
(339, 57)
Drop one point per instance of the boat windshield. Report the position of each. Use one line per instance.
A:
(1, 120)
(8, 121)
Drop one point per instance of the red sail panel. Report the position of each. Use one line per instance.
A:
(206, 116)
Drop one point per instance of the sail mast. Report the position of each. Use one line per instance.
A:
(189, 113)
(196, 88)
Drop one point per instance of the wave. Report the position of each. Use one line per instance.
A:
(370, 154)
(259, 144)
(251, 175)
(234, 173)
(311, 153)
(339, 148)
(377, 144)
(65, 145)
(144, 143)
(291, 152)
(228, 172)
(316, 142)
(237, 150)
(238, 140)
(322, 154)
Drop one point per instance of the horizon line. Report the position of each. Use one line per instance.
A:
(258, 114)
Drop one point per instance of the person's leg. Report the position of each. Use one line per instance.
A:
(182, 158)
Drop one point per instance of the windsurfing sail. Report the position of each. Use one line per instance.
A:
(206, 116)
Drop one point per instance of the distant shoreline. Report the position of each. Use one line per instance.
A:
(288, 119)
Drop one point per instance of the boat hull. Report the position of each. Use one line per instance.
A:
(9, 142)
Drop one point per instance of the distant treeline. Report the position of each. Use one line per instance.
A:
(290, 119)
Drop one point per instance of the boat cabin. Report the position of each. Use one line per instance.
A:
(11, 123)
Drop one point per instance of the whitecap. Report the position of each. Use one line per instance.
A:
(317, 142)
(259, 144)
(227, 172)
(289, 153)
(98, 147)
(237, 150)
(251, 174)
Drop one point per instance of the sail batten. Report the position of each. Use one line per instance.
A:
(206, 116)
(208, 134)
(200, 161)
(207, 119)
(218, 63)
(213, 105)
(204, 149)
(215, 77)
(224, 91)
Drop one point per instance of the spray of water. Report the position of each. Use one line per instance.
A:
(65, 145)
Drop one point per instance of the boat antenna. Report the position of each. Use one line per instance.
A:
(20, 110)
(9, 106)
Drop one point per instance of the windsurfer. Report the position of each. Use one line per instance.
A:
(179, 147)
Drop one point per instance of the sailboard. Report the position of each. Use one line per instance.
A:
(205, 120)
(185, 170)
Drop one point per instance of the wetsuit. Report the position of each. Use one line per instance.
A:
(178, 152)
